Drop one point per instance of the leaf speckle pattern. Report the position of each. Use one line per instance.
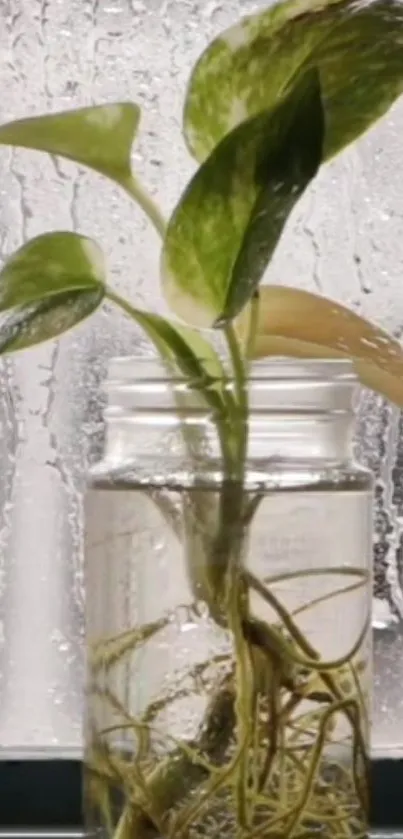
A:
(105, 117)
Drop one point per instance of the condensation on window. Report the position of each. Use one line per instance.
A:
(344, 239)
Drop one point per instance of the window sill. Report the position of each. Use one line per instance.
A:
(43, 798)
(79, 834)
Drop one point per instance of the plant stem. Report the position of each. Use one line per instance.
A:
(240, 418)
(238, 367)
(144, 200)
(252, 329)
(124, 304)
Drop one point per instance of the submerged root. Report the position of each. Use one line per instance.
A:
(268, 759)
(300, 787)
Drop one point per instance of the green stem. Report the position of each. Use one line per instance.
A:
(144, 200)
(134, 313)
(338, 570)
(238, 367)
(241, 413)
(233, 457)
(123, 304)
(124, 826)
(273, 721)
(318, 601)
(253, 324)
(246, 689)
(312, 771)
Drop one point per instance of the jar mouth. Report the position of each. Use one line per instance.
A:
(141, 385)
(293, 406)
(137, 369)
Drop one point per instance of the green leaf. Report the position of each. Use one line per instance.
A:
(99, 137)
(356, 46)
(228, 222)
(299, 324)
(49, 284)
(47, 318)
(49, 265)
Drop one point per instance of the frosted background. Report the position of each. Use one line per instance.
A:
(346, 238)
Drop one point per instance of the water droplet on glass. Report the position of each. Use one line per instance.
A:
(138, 6)
(188, 626)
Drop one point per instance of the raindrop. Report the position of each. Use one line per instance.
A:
(188, 626)
(210, 8)
(113, 10)
(384, 216)
(368, 343)
(158, 545)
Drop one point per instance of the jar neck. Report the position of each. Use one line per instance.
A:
(298, 410)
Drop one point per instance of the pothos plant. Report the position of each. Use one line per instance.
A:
(270, 101)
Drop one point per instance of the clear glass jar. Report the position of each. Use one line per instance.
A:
(228, 619)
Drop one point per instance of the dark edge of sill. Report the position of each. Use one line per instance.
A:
(45, 795)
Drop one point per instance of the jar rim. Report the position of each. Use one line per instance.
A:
(291, 403)
(137, 368)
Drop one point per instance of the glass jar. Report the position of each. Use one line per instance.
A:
(228, 617)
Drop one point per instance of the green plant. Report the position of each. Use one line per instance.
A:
(268, 102)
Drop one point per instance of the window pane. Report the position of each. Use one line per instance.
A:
(345, 239)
